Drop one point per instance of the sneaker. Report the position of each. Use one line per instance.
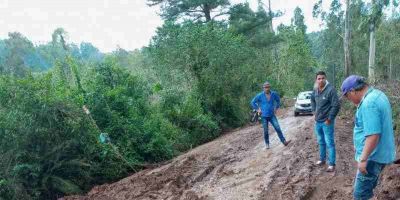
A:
(320, 163)
(266, 147)
(286, 142)
(330, 168)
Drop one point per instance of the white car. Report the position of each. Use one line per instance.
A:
(303, 103)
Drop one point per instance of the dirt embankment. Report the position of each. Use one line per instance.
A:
(235, 166)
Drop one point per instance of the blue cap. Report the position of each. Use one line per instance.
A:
(352, 82)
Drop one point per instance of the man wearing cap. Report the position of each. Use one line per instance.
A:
(325, 105)
(267, 103)
(372, 134)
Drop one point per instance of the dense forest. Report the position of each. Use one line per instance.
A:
(193, 81)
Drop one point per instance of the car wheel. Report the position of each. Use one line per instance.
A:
(296, 114)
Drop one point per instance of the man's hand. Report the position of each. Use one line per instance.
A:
(328, 122)
(370, 144)
(362, 167)
(276, 111)
(259, 111)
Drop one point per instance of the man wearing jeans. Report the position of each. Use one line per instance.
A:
(325, 105)
(372, 134)
(267, 103)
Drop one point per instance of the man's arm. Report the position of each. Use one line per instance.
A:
(371, 142)
(372, 129)
(254, 102)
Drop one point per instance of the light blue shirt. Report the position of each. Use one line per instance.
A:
(374, 116)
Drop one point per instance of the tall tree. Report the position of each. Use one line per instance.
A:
(298, 20)
(270, 29)
(18, 47)
(58, 38)
(295, 65)
(256, 26)
(59, 44)
(271, 16)
(388, 47)
(244, 20)
(371, 57)
(346, 41)
(331, 47)
(373, 19)
(196, 10)
(68, 68)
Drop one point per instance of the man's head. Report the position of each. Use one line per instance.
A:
(353, 88)
(267, 87)
(320, 78)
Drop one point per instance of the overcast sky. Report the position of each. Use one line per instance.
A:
(107, 24)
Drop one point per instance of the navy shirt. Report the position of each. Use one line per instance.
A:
(267, 107)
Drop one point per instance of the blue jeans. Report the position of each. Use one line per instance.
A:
(365, 183)
(274, 121)
(326, 139)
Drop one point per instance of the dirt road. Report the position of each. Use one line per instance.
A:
(235, 166)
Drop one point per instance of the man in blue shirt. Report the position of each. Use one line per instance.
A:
(372, 135)
(267, 103)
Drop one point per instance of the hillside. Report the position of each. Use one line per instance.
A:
(235, 166)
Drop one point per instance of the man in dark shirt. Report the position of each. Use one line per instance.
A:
(325, 105)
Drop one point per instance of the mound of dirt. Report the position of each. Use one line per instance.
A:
(235, 166)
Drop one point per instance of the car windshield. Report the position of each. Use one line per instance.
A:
(303, 96)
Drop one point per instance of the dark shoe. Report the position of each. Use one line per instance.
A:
(320, 163)
(286, 142)
(330, 168)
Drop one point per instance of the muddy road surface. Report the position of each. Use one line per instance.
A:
(236, 167)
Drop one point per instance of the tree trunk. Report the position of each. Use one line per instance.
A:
(207, 12)
(271, 29)
(334, 75)
(371, 61)
(346, 41)
(390, 67)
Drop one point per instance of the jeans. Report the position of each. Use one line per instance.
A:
(365, 183)
(326, 139)
(274, 121)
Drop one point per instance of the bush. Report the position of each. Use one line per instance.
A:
(54, 136)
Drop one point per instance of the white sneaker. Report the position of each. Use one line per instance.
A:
(266, 147)
(330, 168)
(320, 163)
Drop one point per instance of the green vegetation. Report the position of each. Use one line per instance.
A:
(194, 80)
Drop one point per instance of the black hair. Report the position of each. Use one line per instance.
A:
(361, 82)
(320, 73)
